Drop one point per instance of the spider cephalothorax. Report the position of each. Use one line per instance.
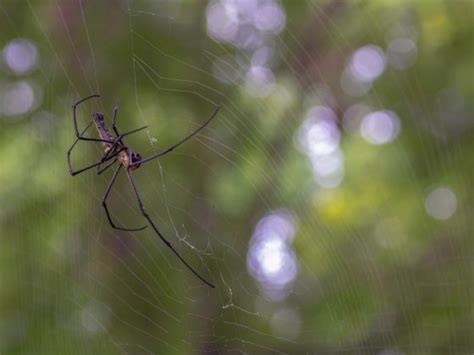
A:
(115, 151)
(136, 158)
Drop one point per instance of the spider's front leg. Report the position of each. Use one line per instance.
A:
(114, 119)
(68, 155)
(74, 119)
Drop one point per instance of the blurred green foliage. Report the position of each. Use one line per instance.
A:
(377, 274)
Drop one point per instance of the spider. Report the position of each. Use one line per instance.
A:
(115, 151)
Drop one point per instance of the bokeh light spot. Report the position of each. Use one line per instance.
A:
(222, 24)
(270, 17)
(244, 23)
(20, 55)
(260, 81)
(17, 98)
(441, 203)
(270, 258)
(319, 134)
(95, 317)
(319, 137)
(367, 63)
(380, 127)
(401, 53)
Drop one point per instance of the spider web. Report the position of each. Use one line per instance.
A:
(329, 201)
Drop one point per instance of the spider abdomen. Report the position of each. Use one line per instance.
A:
(104, 134)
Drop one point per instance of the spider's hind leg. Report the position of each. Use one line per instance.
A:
(157, 231)
(104, 204)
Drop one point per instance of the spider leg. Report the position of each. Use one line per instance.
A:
(111, 152)
(119, 140)
(171, 148)
(163, 239)
(132, 131)
(100, 169)
(114, 126)
(74, 119)
(114, 119)
(116, 142)
(68, 154)
(104, 204)
(76, 172)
